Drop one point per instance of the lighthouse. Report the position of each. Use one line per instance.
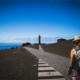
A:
(39, 39)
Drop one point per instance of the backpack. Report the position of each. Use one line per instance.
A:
(77, 59)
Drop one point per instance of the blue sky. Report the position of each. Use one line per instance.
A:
(22, 21)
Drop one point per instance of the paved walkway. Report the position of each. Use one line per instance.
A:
(58, 62)
(40, 48)
(46, 72)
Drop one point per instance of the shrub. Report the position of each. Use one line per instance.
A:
(60, 40)
(25, 44)
(16, 47)
(12, 48)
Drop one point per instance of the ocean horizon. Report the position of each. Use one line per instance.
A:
(4, 46)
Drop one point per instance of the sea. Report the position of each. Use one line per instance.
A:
(4, 46)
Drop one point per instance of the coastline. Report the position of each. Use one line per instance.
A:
(4, 46)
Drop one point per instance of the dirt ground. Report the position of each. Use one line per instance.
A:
(18, 64)
(33, 46)
(61, 48)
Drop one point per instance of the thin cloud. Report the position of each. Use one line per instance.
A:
(25, 39)
(32, 40)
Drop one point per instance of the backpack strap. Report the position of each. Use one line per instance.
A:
(75, 49)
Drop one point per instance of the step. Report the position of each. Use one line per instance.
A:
(46, 74)
(53, 79)
(43, 65)
(41, 62)
(45, 68)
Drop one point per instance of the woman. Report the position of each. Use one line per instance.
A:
(72, 66)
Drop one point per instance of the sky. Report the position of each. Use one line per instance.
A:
(23, 20)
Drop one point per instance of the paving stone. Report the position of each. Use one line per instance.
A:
(43, 65)
(45, 68)
(53, 79)
(41, 62)
(40, 59)
(47, 74)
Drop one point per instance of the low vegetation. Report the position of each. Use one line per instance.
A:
(60, 40)
(25, 44)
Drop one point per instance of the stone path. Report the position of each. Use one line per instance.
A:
(58, 62)
(45, 72)
(40, 48)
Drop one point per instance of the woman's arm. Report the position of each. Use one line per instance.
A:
(72, 58)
